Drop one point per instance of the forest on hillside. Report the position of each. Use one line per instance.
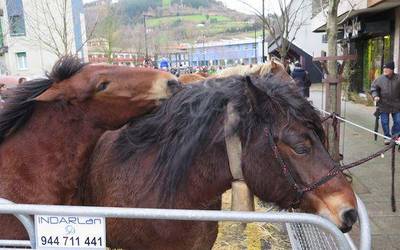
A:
(169, 23)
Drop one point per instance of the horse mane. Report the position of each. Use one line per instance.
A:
(261, 69)
(180, 128)
(20, 103)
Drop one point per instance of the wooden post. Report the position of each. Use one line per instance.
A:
(333, 100)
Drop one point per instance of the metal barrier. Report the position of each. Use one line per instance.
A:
(337, 238)
(310, 237)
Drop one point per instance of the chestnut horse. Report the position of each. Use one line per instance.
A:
(190, 78)
(49, 127)
(176, 157)
(262, 69)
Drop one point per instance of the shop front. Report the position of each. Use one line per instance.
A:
(374, 45)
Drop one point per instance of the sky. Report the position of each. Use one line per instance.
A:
(238, 5)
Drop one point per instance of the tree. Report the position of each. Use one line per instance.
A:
(108, 30)
(50, 25)
(284, 25)
(333, 100)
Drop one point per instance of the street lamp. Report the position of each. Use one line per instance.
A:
(204, 50)
(145, 36)
(254, 22)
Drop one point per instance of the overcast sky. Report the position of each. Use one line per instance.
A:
(270, 5)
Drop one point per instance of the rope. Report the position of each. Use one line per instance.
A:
(392, 146)
(355, 124)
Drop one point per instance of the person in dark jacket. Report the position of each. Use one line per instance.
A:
(300, 76)
(386, 93)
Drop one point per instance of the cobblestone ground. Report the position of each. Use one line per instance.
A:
(371, 180)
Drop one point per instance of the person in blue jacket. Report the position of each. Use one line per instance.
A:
(300, 76)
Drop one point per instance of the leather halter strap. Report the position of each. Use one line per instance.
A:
(300, 189)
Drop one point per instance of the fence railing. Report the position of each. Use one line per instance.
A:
(23, 212)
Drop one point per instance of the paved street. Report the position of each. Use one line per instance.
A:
(372, 180)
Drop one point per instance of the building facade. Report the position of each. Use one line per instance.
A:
(369, 29)
(35, 33)
(218, 53)
(98, 52)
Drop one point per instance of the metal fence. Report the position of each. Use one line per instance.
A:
(301, 222)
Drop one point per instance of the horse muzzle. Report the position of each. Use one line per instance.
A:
(349, 217)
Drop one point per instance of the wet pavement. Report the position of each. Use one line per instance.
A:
(372, 180)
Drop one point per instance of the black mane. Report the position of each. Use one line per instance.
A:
(181, 127)
(20, 103)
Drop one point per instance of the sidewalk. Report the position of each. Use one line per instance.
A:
(372, 180)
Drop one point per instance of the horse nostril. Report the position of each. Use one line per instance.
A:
(349, 217)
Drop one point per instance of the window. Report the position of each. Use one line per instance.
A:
(16, 20)
(17, 26)
(21, 61)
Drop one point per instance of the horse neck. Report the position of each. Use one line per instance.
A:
(56, 138)
(63, 123)
(208, 179)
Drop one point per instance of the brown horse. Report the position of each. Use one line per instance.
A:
(190, 78)
(262, 69)
(176, 157)
(49, 127)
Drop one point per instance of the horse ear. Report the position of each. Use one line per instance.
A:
(253, 93)
(274, 65)
(50, 95)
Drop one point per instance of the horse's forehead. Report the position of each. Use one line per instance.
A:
(91, 75)
(122, 72)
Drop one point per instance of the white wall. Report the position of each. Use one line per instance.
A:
(40, 57)
(344, 7)
(305, 38)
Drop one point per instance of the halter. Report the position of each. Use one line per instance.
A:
(302, 189)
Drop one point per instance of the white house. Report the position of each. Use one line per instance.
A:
(35, 33)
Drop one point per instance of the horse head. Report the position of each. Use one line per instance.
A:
(284, 155)
(108, 95)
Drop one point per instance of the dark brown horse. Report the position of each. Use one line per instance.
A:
(176, 157)
(49, 127)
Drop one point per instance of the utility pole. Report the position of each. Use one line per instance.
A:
(263, 31)
(145, 37)
(204, 50)
(255, 42)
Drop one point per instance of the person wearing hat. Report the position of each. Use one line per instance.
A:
(386, 93)
(302, 80)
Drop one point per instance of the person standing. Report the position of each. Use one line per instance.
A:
(386, 93)
(300, 76)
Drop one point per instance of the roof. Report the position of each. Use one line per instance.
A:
(226, 42)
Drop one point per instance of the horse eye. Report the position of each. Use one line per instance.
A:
(102, 86)
(301, 149)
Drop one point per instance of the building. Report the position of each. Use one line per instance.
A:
(34, 35)
(371, 30)
(304, 44)
(101, 3)
(99, 52)
(217, 53)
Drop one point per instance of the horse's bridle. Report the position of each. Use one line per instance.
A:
(302, 189)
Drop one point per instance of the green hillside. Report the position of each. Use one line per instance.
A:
(169, 22)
